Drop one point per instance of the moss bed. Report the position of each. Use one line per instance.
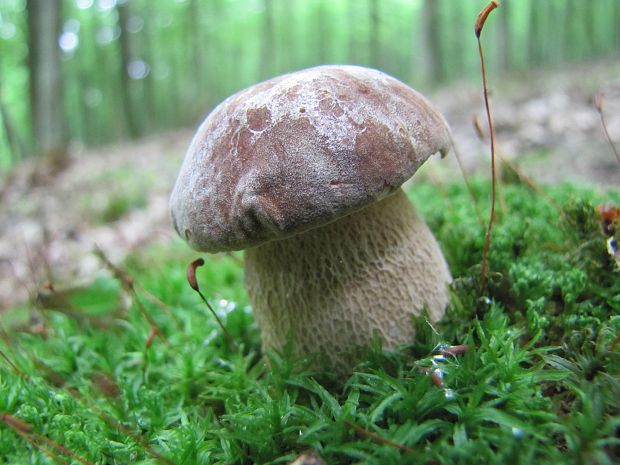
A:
(84, 377)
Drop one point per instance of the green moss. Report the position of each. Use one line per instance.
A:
(130, 193)
(539, 382)
(119, 205)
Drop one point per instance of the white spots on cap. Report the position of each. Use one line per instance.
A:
(337, 119)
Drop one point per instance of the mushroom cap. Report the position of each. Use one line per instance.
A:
(299, 151)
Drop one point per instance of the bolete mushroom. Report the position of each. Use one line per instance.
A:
(304, 171)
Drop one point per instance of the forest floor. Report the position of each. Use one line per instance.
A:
(116, 197)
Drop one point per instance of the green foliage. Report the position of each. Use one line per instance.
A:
(13, 77)
(118, 205)
(539, 383)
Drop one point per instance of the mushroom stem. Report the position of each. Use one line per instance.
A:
(332, 289)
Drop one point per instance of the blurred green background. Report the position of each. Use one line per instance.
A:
(128, 68)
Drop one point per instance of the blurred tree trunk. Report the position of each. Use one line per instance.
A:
(124, 43)
(218, 51)
(617, 22)
(453, 59)
(374, 39)
(352, 42)
(568, 42)
(148, 117)
(431, 40)
(588, 16)
(198, 44)
(537, 44)
(290, 57)
(504, 37)
(323, 32)
(265, 66)
(198, 51)
(46, 86)
(14, 142)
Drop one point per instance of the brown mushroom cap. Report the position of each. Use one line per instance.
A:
(299, 151)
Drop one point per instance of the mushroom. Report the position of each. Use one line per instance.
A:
(304, 172)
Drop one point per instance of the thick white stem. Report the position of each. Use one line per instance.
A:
(331, 290)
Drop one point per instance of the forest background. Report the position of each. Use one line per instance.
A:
(96, 71)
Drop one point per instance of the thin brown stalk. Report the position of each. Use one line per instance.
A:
(29, 435)
(193, 283)
(376, 438)
(500, 180)
(115, 424)
(470, 190)
(147, 346)
(528, 181)
(15, 367)
(41, 448)
(155, 300)
(598, 103)
(127, 282)
(487, 239)
(475, 121)
(15, 423)
(5, 335)
(520, 174)
(500, 183)
(61, 449)
(142, 309)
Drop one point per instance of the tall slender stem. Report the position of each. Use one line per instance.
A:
(482, 17)
(487, 238)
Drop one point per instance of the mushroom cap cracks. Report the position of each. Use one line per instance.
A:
(299, 151)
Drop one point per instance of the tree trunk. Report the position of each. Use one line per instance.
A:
(504, 37)
(221, 51)
(148, 118)
(198, 51)
(536, 38)
(352, 41)
(46, 85)
(568, 45)
(617, 21)
(126, 56)
(431, 49)
(13, 140)
(265, 67)
(323, 32)
(374, 39)
(198, 44)
(589, 25)
(290, 52)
